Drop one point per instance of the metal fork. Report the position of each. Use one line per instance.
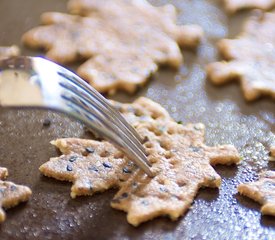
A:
(37, 82)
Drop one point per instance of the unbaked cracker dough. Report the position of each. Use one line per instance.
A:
(250, 58)
(124, 42)
(262, 191)
(11, 194)
(180, 160)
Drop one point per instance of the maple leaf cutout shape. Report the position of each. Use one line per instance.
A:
(179, 158)
(11, 194)
(124, 42)
(262, 191)
(251, 58)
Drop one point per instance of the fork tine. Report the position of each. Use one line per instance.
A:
(102, 116)
(69, 94)
(128, 146)
(132, 144)
(106, 107)
(85, 86)
(104, 112)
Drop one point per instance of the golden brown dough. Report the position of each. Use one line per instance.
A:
(11, 194)
(262, 191)
(123, 41)
(180, 160)
(250, 58)
(182, 163)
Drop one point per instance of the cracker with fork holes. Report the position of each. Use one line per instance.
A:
(92, 166)
(100, 162)
(262, 191)
(182, 163)
(11, 51)
(180, 160)
(123, 41)
(232, 6)
(250, 58)
(11, 194)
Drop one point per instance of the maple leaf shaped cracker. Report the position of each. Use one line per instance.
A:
(124, 42)
(138, 12)
(233, 6)
(262, 191)
(99, 158)
(11, 194)
(179, 158)
(183, 165)
(251, 58)
(11, 51)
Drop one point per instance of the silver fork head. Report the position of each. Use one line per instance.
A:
(37, 82)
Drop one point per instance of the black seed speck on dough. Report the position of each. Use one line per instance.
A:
(73, 158)
(124, 195)
(163, 189)
(93, 168)
(107, 165)
(89, 150)
(69, 168)
(126, 170)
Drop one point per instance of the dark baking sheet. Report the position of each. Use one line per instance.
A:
(215, 214)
